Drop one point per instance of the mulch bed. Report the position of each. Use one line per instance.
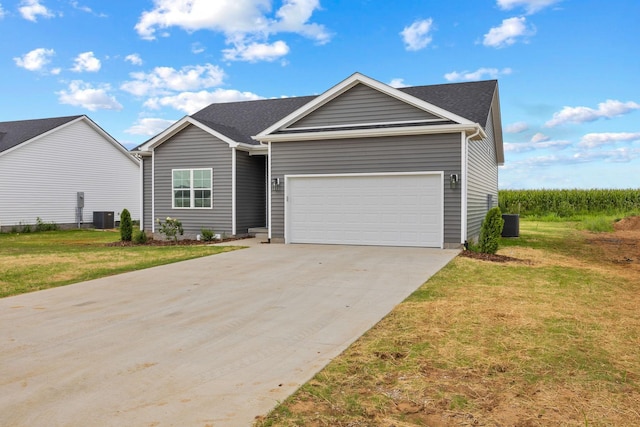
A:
(488, 257)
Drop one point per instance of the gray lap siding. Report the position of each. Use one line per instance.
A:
(250, 192)
(362, 104)
(147, 215)
(192, 148)
(482, 180)
(371, 155)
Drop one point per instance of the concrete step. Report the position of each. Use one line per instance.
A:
(260, 233)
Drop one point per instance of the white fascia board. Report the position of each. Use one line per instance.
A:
(368, 133)
(347, 84)
(180, 125)
(497, 127)
(252, 149)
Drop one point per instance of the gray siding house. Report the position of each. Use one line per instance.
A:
(362, 163)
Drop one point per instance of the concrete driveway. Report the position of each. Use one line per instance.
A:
(214, 341)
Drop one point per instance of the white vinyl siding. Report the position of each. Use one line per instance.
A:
(53, 169)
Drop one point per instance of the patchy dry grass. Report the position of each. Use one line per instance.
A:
(35, 261)
(554, 341)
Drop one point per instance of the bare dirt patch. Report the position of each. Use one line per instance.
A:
(620, 247)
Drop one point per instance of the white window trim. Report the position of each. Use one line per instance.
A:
(191, 189)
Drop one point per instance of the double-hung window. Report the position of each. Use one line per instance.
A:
(192, 188)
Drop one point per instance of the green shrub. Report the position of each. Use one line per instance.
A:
(139, 237)
(45, 226)
(490, 231)
(207, 235)
(170, 228)
(126, 226)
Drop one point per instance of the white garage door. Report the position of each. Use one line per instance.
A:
(372, 209)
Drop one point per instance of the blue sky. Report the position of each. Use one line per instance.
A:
(568, 69)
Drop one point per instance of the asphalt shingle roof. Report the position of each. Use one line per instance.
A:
(242, 120)
(471, 100)
(16, 132)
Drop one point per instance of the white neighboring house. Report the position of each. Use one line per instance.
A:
(45, 163)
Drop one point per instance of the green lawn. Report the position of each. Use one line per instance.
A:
(551, 340)
(34, 261)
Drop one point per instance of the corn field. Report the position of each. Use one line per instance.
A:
(568, 203)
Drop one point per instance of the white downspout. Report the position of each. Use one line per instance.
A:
(153, 191)
(269, 223)
(233, 191)
(464, 172)
(141, 193)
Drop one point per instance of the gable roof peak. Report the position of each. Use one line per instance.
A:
(17, 132)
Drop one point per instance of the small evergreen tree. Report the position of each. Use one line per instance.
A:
(139, 237)
(126, 226)
(490, 231)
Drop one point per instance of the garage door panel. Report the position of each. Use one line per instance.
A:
(385, 209)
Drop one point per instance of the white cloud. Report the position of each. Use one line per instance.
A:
(78, 6)
(592, 140)
(31, 9)
(86, 61)
(197, 48)
(539, 137)
(164, 80)
(507, 33)
(531, 6)
(84, 95)
(618, 155)
(517, 127)
(479, 74)
(190, 102)
(2, 12)
(86, 9)
(293, 17)
(243, 22)
(35, 60)
(523, 147)
(134, 58)
(397, 83)
(149, 126)
(538, 141)
(255, 52)
(608, 109)
(417, 35)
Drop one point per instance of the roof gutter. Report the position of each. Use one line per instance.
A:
(372, 132)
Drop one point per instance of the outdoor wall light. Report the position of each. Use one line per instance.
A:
(454, 179)
(277, 184)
